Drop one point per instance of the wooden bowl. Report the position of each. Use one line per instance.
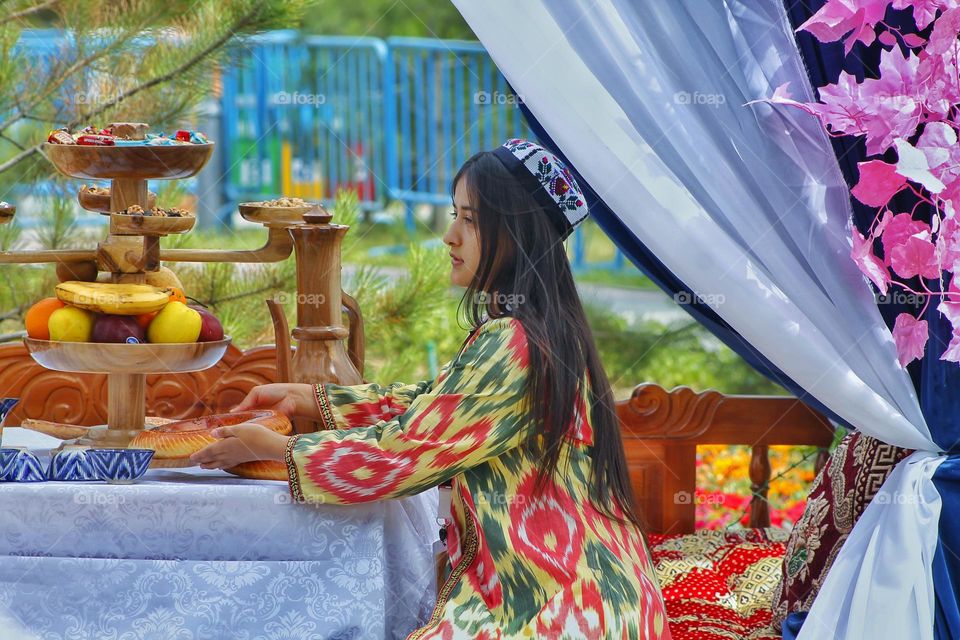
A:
(138, 224)
(140, 162)
(101, 357)
(255, 212)
(7, 211)
(101, 203)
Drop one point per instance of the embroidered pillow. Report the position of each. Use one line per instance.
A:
(838, 496)
(718, 585)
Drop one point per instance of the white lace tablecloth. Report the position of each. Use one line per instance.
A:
(197, 555)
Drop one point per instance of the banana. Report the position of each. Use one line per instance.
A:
(117, 299)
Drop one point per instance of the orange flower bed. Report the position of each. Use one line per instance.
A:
(723, 485)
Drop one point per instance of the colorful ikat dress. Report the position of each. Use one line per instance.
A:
(524, 564)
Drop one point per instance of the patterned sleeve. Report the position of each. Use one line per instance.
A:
(472, 414)
(345, 407)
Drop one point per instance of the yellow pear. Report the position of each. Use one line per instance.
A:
(175, 323)
(71, 324)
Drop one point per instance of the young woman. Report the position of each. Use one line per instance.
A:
(544, 542)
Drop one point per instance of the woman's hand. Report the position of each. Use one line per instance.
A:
(290, 399)
(241, 443)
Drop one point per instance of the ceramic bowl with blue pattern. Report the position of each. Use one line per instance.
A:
(6, 404)
(71, 464)
(20, 465)
(119, 466)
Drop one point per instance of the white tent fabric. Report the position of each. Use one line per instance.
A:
(746, 205)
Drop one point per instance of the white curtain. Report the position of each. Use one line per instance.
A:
(747, 206)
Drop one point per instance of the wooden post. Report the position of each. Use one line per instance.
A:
(760, 486)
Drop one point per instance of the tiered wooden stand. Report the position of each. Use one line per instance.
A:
(131, 250)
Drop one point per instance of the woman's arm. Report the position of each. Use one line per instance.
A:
(473, 413)
(344, 407)
(335, 406)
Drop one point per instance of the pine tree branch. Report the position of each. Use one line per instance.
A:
(61, 77)
(12, 141)
(186, 66)
(239, 296)
(189, 64)
(35, 9)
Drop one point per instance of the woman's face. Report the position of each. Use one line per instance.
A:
(463, 238)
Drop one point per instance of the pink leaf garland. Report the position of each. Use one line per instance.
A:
(878, 183)
(914, 257)
(910, 336)
(924, 10)
(869, 263)
(837, 18)
(913, 107)
(898, 229)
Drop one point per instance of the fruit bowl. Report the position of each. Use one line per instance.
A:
(137, 162)
(106, 357)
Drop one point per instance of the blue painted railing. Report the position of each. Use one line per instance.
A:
(392, 119)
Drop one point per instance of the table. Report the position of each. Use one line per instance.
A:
(202, 555)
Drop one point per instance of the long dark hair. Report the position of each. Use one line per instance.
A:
(523, 262)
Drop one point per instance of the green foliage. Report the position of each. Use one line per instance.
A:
(384, 18)
(670, 356)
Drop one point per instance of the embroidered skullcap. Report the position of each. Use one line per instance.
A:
(547, 179)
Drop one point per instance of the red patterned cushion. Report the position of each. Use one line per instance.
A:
(838, 495)
(717, 584)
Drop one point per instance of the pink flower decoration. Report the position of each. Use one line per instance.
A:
(878, 183)
(913, 107)
(898, 229)
(915, 256)
(944, 36)
(948, 247)
(840, 17)
(952, 352)
(910, 336)
(924, 11)
(868, 262)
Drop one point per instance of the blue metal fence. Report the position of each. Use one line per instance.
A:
(392, 120)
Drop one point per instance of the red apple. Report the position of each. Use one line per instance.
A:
(210, 328)
(110, 328)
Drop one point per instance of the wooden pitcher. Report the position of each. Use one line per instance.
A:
(320, 355)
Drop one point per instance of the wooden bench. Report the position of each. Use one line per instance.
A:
(661, 430)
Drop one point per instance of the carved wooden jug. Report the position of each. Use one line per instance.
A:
(320, 355)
